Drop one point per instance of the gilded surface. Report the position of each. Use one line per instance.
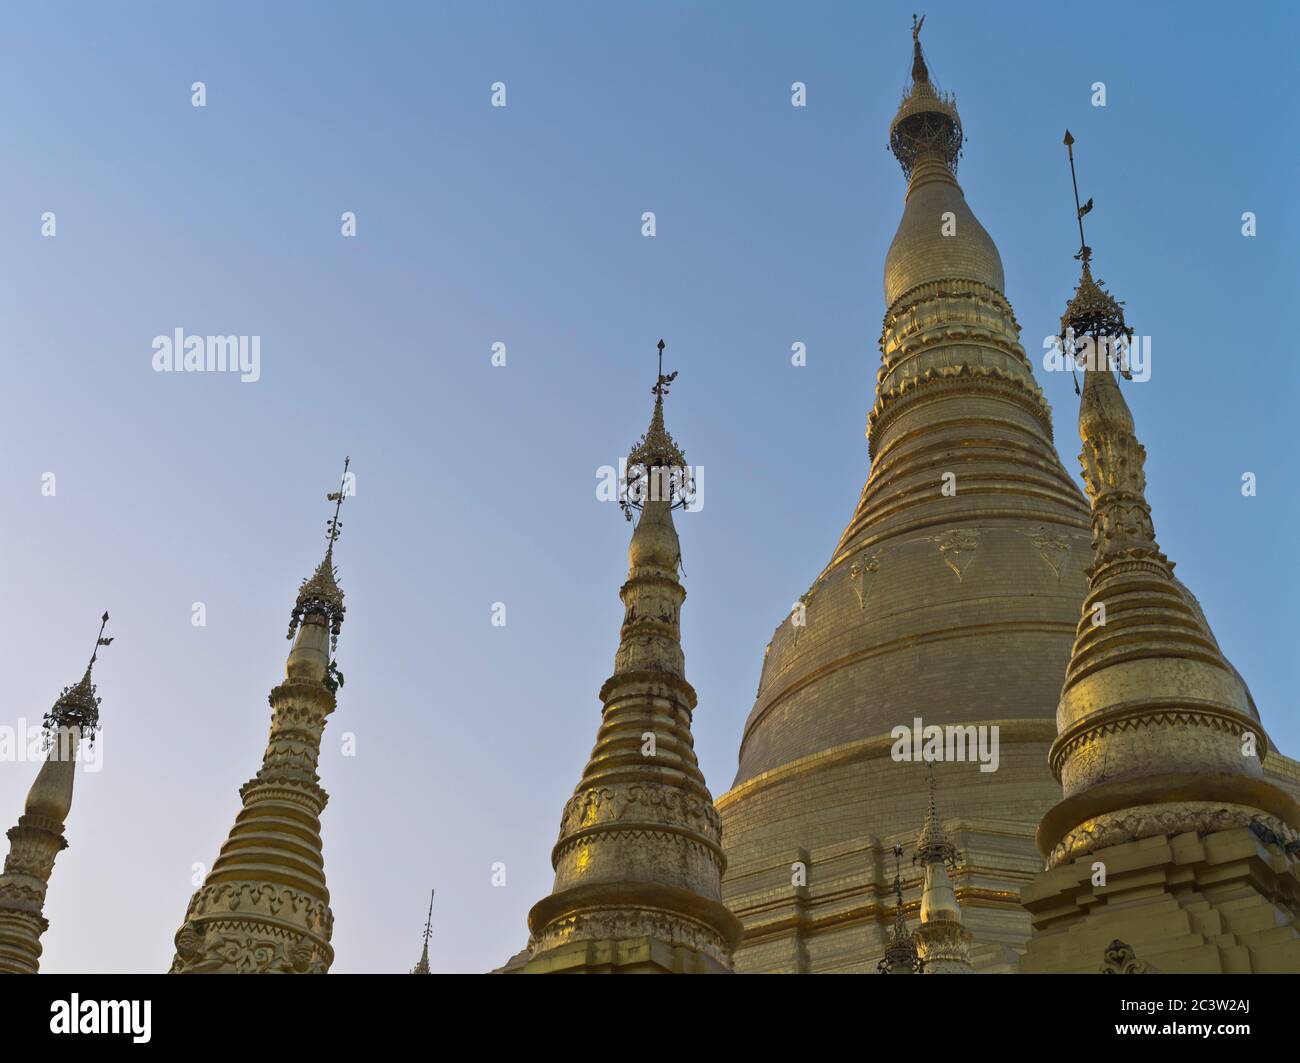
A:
(1150, 713)
(957, 607)
(639, 859)
(264, 906)
(38, 838)
(1170, 837)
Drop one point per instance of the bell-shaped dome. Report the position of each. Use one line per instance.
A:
(939, 238)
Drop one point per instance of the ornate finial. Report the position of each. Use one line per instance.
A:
(926, 126)
(919, 71)
(900, 950)
(77, 706)
(423, 966)
(661, 472)
(334, 527)
(933, 844)
(320, 593)
(1093, 321)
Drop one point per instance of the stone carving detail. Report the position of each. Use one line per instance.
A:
(1148, 821)
(263, 897)
(1154, 716)
(952, 545)
(666, 804)
(862, 575)
(1121, 959)
(1054, 549)
(623, 924)
(235, 947)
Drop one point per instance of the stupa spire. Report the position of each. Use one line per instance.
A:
(966, 504)
(900, 947)
(942, 942)
(38, 837)
(264, 906)
(1168, 835)
(638, 862)
(423, 966)
(1143, 652)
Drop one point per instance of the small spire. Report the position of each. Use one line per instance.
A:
(663, 473)
(423, 966)
(320, 593)
(77, 706)
(933, 844)
(900, 950)
(942, 943)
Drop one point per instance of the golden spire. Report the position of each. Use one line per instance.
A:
(264, 906)
(1157, 733)
(38, 837)
(320, 592)
(900, 947)
(423, 966)
(964, 556)
(943, 944)
(638, 863)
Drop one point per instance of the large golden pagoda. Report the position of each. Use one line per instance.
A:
(951, 597)
(264, 907)
(1169, 837)
(638, 863)
(38, 838)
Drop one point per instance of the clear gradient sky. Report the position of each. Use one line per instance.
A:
(477, 484)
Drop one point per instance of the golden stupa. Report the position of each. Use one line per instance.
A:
(638, 864)
(36, 840)
(952, 598)
(1114, 802)
(1171, 846)
(264, 907)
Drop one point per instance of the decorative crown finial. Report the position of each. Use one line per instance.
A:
(926, 126)
(1094, 319)
(320, 593)
(933, 844)
(656, 467)
(77, 705)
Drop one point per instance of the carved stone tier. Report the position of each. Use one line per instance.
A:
(1188, 903)
(34, 843)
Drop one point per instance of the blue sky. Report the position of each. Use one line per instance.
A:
(476, 484)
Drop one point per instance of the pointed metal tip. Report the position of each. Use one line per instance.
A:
(104, 618)
(1068, 139)
(661, 345)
